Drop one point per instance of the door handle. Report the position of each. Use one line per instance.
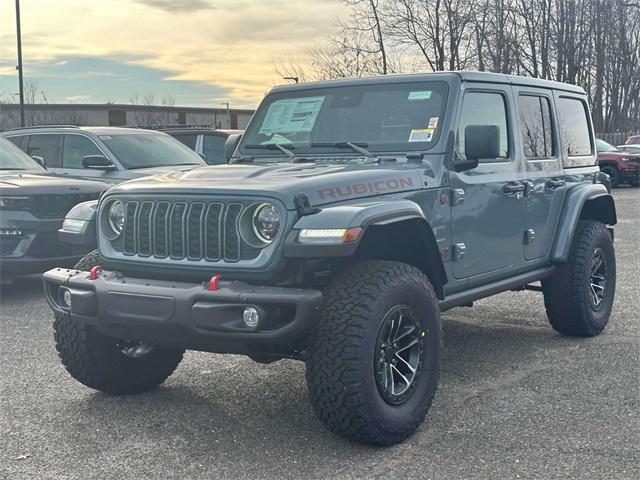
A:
(554, 184)
(513, 188)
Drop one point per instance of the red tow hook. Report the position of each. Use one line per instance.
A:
(214, 282)
(94, 272)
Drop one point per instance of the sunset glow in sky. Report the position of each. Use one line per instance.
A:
(200, 52)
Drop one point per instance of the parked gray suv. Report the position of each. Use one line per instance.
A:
(108, 154)
(352, 214)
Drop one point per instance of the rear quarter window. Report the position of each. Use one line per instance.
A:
(575, 130)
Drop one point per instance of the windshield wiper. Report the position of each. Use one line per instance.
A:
(276, 146)
(356, 147)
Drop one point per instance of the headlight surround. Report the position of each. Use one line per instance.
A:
(266, 222)
(14, 203)
(116, 214)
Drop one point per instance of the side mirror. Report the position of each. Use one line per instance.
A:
(230, 145)
(41, 161)
(97, 162)
(481, 142)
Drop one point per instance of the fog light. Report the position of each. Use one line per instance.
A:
(65, 298)
(251, 317)
(11, 233)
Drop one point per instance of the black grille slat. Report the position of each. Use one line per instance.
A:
(176, 230)
(144, 229)
(130, 230)
(231, 236)
(212, 231)
(160, 230)
(194, 231)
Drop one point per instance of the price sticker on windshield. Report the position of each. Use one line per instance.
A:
(421, 135)
(420, 95)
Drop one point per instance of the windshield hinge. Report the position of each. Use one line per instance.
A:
(303, 205)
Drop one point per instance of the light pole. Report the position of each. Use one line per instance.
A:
(19, 67)
(228, 112)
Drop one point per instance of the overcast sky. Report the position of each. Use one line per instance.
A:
(201, 52)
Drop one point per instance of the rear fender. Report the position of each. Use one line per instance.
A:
(583, 202)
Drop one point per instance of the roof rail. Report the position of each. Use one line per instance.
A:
(41, 126)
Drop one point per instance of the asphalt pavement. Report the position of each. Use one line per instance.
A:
(516, 400)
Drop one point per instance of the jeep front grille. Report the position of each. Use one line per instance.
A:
(185, 230)
(57, 206)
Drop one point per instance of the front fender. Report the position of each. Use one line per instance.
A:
(79, 226)
(582, 202)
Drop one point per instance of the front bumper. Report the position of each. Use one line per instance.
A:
(186, 315)
(630, 174)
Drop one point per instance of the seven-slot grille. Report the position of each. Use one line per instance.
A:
(179, 230)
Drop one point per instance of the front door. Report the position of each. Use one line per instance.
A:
(544, 182)
(487, 206)
(74, 148)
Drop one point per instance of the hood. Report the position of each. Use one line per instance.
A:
(322, 183)
(17, 183)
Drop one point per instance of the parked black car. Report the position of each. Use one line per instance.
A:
(208, 142)
(32, 208)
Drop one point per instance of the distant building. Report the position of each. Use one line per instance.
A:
(122, 115)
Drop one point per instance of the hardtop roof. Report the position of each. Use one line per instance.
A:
(464, 76)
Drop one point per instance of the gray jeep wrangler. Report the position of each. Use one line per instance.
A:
(353, 212)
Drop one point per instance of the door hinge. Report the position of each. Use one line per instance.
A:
(457, 196)
(459, 251)
(529, 236)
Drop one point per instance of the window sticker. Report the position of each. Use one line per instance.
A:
(433, 122)
(421, 135)
(293, 115)
(105, 137)
(420, 95)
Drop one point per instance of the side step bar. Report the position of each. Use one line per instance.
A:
(518, 281)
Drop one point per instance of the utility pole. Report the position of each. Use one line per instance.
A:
(19, 67)
(228, 112)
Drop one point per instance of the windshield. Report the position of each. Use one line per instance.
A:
(383, 118)
(12, 158)
(603, 146)
(150, 150)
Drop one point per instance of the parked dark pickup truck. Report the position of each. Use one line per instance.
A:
(32, 208)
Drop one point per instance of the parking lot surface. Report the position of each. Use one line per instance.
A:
(516, 400)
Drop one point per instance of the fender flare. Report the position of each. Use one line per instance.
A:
(590, 202)
(369, 216)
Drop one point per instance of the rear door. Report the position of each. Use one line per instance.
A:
(47, 146)
(544, 182)
(487, 202)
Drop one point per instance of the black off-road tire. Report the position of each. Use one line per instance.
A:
(97, 360)
(567, 296)
(342, 352)
(613, 175)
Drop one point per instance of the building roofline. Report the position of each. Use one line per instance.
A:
(122, 106)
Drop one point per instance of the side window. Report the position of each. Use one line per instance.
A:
(214, 149)
(74, 148)
(189, 139)
(45, 146)
(483, 108)
(17, 141)
(535, 126)
(574, 125)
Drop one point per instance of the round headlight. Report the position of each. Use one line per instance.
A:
(266, 222)
(116, 215)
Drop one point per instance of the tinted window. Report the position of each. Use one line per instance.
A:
(535, 126)
(189, 139)
(12, 158)
(45, 146)
(142, 150)
(17, 141)
(574, 126)
(481, 108)
(214, 149)
(75, 147)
